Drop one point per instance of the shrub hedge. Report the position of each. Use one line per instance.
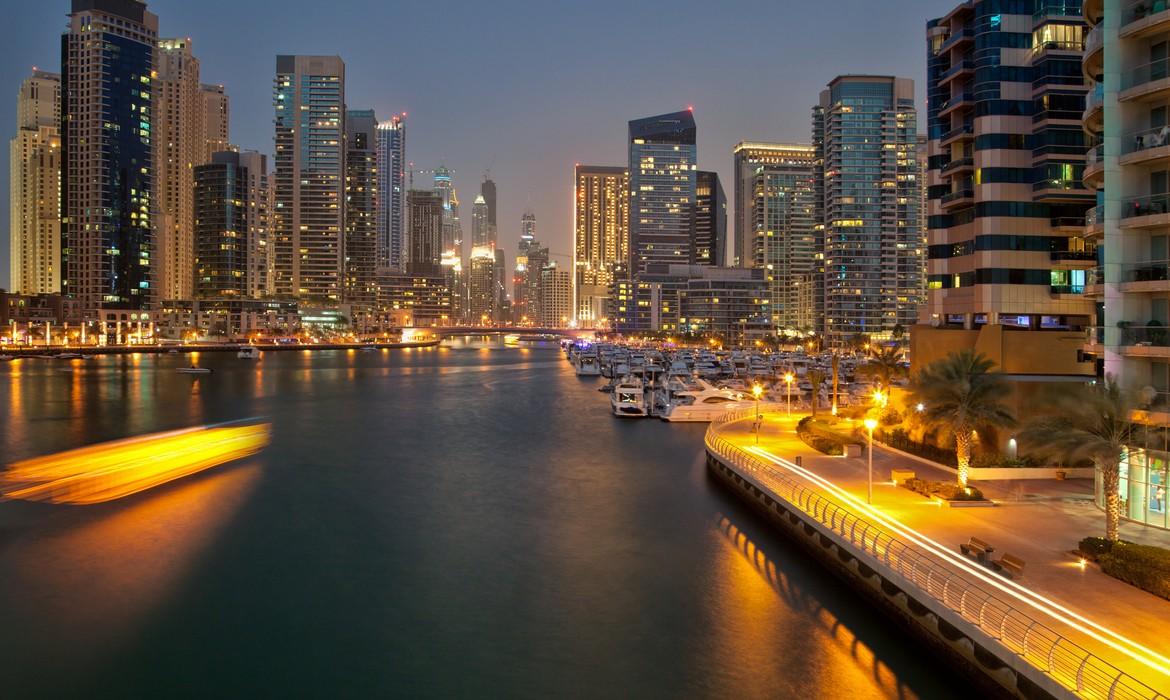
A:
(1144, 566)
(820, 440)
(946, 490)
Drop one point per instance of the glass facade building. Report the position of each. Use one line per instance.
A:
(392, 165)
(601, 240)
(662, 180)
(362, 200)
(710, 238)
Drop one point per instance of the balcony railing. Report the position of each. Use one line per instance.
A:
(1067, 289)
(1095, 98)
(960, 194)
(1094, 215)
(959, 131)
(958, 163)
(1057, 185)
(1068, 221)
(1146, 206)
(956, 38)
(1044, 47)
(957, 68)
(1154, 335)
(1095, 154)
(1154, 70)
(1142, 9)
(957, 99)
(1154, 137)
(1149, 271)
(1056, 8)
(1059, 255)
(1095, 39)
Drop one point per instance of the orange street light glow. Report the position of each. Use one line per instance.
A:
(112, 470)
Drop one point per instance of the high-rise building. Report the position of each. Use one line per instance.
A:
(481, 235)
(528, 294)
(777, 189)
(424, 252)
(710, 232)
(481, 284)
(488, 190)
(426, 298)
(362, 198)
(1126, 62)
(725, 301)
(601, 237)
(35, 187)
(873, 255)
(231, 226)
(216, 131)
(452, 240)
(309, 215)
(556, 296)
(527, 230)
(1007, 262)
(179, 145)
(392, 192)
(500, 275)
(662, 169)
(107, 170)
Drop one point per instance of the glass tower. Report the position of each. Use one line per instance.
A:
(392, 190)
(662, 178)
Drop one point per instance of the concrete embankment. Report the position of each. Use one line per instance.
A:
(39, 351)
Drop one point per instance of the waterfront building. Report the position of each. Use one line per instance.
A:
(179, 144)
(309, 215)
(710, 231)
(392, 192)
(781, 236)
(216, 132)
(865, 128)
(427, 298)
(452, 231)
(107, 169)
(500, 282)
(481, 285)
(231, 226)
(528, 295)
(662, 182)
(35, 186)
(1126, 116)
(226, 319)
(519, 295)
(481, 233)
(453, 275)
(725, 301)
(424, 232)
(527, 230)
(601, 239)
(1007, 262)
(362, 198)
(556, 296)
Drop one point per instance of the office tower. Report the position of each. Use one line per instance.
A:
(35, 187)
(500, 275)
(872, 252)
(309, 215)
(361, 208)
(225, 229)
(215, 121)
(662, 159)
(776, 186)
(452, 238)
(107, 176)
(488, 190)
(601, 237)
(1006, 259)
(480, 225)
(535, 260)
(527, 230)
(710, 232)
(179, 145)
(1127, 63)
(519, 292)
(392, 191)
(481, 284)
(556, 292)
(724, 301)
(424, 232)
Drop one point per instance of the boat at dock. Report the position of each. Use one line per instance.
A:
(249, 352)
(628, 398)
(194, 370)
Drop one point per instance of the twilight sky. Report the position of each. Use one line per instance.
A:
(526, 89)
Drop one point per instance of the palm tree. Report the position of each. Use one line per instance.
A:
(884, 366)
(836, 375)
(960, 395)
(816, 378)
(1091, 422)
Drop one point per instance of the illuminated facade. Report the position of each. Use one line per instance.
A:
(662, 173)
(556, 292)
(481, 287)
(231, 226)
(392, 192)
(865, 129)
(710, 231)
(309, 188)
(35, 187)
(726, 301)
(424, 232)
(601, 239)
(180, 144)
(427, 298)
(216, 110)
(362, 198)
(527, 230)
(107, 169)
(481, 233)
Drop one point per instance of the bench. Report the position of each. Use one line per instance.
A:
(977, 549)
(1009, 565)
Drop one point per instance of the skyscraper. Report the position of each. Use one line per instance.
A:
(216, 131)
(601, 239)
(480, 225)
(778, 193)
(180, 143)
(452, 227)
(500, 276)
(1006, 202)
(481, 285)
(362, 198)
(873, 256)
(231, 226)
(527, 230)
(392, 191)
(309, 218)
(107, 117)
(35, 201)
(425, 233)
(556, 292)
(710, 232)
(488, 190)
(662, 168)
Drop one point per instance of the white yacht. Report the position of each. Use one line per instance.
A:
(703, 404)
(628, 399)
(249, 352)
(588, 365)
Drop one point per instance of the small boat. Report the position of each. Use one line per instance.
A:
(588, 365)
(172, 351)
(249, 352)
(194, 370)
(511, 339)
(69, 356)
(628, 399)
(7, 358)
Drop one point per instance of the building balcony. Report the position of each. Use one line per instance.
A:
(1149, 276)
(1094, 222)
(1094, 60)
(1093, 11)
(1150, 211)
(958, 197)
(962, 100)
(1147, 146)
(1094, 281)
(1093, 117)
(1060, 190)
(959, 164)
(1094, 166)
(1068, 222)
(961, 133)
(1074, 258)
(1145, 18)
(963, 67)
(1150, 340)
(1052, 9)
(959, 38)
(1146, 83)
(1069, 47)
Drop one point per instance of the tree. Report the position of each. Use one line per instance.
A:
(961, 395)
(884, 366)
(898, 332)
(1092, 421)
(836, 377)
(816, 378)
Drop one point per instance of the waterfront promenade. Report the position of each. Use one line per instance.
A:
(1038, 521)
(187, 348)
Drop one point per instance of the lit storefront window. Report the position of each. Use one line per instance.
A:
(1143, 487)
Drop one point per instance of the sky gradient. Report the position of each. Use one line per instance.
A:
(525, 89)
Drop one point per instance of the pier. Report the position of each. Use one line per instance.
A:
(1064, 630)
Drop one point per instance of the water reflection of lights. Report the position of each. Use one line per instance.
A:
(112, 470)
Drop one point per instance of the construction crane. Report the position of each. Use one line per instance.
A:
(431, 172)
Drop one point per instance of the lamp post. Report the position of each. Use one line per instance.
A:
(788, 380)
(757, 391)
(870, 424)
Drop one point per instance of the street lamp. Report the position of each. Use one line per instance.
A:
(870, 424)
(757, 391)
(788, 380)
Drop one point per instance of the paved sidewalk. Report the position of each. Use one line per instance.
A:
(1039, 521)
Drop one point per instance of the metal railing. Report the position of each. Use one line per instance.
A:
(1148, 271)
(1141, 9)
(1154, 137)
(1065, 662)
(1148, 73)
(1095, 39)
(1146, 206)
(957, 195)
(1095, 98)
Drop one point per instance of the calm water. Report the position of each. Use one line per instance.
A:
(465, 521)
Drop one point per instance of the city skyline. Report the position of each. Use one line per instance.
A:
(528, 130)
